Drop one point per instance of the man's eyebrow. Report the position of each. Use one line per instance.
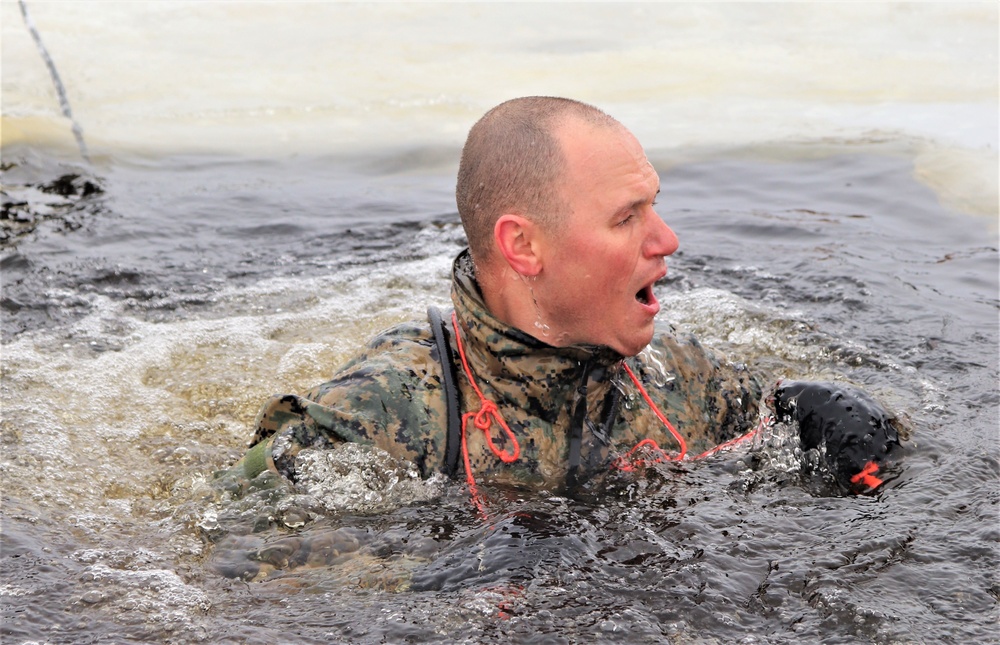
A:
(640, 202)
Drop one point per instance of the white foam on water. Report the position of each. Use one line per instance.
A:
(362, 479)
(179, 397)
(148, 596)
(780, 343)
(11, 590)
(732, 324)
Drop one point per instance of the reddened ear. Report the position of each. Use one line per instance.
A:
(515, 237)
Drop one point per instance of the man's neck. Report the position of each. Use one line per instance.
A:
(508, 297)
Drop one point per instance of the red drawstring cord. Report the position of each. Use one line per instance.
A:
(488, 411)
(627, 463)
(764, 421)
(659, 415)
(482, 420)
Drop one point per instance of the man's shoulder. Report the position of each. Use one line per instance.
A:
(387, 394)
(670, 338)
(682, 352)
(397, 358)
(410, 336)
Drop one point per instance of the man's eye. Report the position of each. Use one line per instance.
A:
(627, 219)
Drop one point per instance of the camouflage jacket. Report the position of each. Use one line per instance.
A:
(391, 396)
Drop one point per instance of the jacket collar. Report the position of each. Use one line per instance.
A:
(499, 351)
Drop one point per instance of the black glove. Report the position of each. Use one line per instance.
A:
(858, 433)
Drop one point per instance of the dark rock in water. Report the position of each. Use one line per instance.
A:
(67, 199)
(70, 185)
(858, 433)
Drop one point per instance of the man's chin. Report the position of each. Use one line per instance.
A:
(632, 346)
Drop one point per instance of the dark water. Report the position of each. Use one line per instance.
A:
(838, 266)
(170, 233)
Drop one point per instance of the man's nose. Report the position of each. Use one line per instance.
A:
(662, 240)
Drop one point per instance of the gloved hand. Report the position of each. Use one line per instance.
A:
(858, 433)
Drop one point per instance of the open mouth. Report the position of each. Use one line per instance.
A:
(645, 295)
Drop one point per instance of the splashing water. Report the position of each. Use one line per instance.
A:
(656, 363)
(362, 479)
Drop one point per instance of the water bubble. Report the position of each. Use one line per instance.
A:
(361, 479)
(656, 365)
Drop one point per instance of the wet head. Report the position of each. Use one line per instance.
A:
(600, 261)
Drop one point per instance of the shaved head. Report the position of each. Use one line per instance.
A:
(512, 162)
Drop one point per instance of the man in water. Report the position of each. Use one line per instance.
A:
(552, 357)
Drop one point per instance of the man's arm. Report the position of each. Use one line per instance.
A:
(389, 397)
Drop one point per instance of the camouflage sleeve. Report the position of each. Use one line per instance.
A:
(709, 399)
(389, 396)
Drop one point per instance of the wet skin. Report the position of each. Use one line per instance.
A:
(599, 265)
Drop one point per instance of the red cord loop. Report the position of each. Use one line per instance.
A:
(482, 419)
(764, 422)
(627, 463)
(663, 419)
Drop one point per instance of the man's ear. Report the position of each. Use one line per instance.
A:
(515, 237)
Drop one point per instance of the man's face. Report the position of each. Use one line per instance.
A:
(599, 264)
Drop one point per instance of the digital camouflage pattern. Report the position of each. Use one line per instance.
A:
(391, 396)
